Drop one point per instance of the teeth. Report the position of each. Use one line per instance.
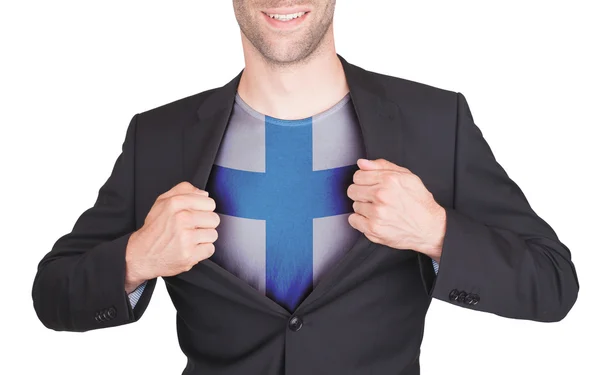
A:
(286, 17)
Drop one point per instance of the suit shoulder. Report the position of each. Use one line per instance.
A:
(412, 91)
(179, 109)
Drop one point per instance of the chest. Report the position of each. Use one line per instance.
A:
(280, 191)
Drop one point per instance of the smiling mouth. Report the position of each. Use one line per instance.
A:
(285, 17)
(285, 22)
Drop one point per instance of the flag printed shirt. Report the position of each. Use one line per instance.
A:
(280, 188)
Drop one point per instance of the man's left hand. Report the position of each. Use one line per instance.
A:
(393, 207)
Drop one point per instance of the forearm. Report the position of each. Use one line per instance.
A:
(515, 276)
(80, 283)
(497, 254)
(69, 292)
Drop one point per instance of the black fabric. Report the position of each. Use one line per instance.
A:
(366, 316)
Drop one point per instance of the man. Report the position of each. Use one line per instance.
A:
(303, 216)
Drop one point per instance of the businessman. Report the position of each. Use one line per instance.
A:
(303, 216)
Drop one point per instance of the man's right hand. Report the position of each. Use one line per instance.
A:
(178, 232)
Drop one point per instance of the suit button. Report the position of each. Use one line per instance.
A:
(112, 312)
(453, 296)
(97, 318)
(295, 324)
(475, 299)
(105, 315)
(461, 297)
(469, 299)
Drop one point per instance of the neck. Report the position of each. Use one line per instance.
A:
(293, 91)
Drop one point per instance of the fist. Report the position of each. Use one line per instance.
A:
(178, 232)
(393, 207)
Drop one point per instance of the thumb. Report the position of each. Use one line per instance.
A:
(379, 164)
(367, 164)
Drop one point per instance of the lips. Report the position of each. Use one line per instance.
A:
(285, 17)
(285, 20)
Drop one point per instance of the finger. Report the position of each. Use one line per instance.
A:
(190, 219)
(203, 250)
(363, 177)
(358, 222)
(190, 201)
(361, 193)
(204, 235)
(182, 188)
(364, 209)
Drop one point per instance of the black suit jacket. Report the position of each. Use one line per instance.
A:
(367, 314)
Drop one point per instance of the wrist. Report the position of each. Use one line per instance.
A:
(133, 272)
(433, 249)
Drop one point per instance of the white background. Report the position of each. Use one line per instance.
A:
(74, 73)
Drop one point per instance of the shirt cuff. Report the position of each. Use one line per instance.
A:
(136, 294)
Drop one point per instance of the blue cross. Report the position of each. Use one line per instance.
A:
(288, 196)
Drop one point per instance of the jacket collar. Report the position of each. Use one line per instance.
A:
(378, 116)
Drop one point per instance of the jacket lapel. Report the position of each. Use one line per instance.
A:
(380, 125)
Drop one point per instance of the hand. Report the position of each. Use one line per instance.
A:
(392, 207)
(178, 232)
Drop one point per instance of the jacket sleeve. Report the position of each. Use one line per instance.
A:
(498, 255)
(80, 283)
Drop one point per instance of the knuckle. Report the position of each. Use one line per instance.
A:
(380, 194)
(190, 255)
(372, 228)
(388, 179)
(182, 217)
(377, 230)
(411, 179)
(379, 210)
(185, 239)
(177, 202)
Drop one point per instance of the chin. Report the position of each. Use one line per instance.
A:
(286, 54)
(285, 59)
